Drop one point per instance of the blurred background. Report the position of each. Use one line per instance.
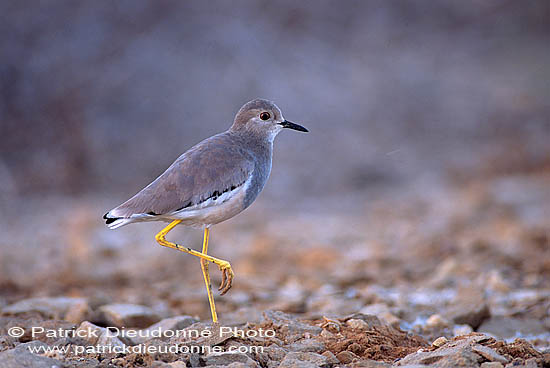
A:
(425, 172)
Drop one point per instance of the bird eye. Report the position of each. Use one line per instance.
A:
(265, 116)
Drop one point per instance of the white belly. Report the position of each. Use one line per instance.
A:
(212, 211)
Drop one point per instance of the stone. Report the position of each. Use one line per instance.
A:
(307, 345)
(372, 321)
(89, 332)
(472, 314)
(227, 357)
(64, 308)
(294, 363)
(108, 339)
(390, 319)
(381, 311)
(460, 330)
(346, 357)
(489, 354)
(95, 335)
(358, 324)
(331, 358)
(295, 359)
(208, 335)
(289, 325)
(491, 365)
(278, 317)
(440, 341)
(435, 321)
(454, 354)
(20, 356)
(470, 308)
(128, 315)
(164, 329)
(275, 352)
(369, 363)
(510, 327)
(531, 363)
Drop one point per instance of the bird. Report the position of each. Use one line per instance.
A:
(211, 182)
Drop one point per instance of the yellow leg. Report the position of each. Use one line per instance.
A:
(206, 274)
(225, 267)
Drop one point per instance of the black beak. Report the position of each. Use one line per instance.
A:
(291, 125)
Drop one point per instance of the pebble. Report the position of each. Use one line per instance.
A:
(296, 359)
(227, 357)
(326, 334)
(460, 330)
(470, 308)
(307, 345)
(375, 309)
(178, 364)
(95, 335)
(107, 339)
(440, 341)
(383, 312)
(346, 357)
(370, 320)
(89, 332)
(489, 354)
(357, 324)
(73, 310)
(491, 365)
(128, 315)
(164, 327)
(456, 354)
(436, 321)
(275, 352)
(509, 327)
(294, 363)
(369, 363)
(331, 358)
(289, 325)
(20, 356)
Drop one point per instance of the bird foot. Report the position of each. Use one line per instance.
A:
(227, 277)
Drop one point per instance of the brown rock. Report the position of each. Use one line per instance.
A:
(346, 357)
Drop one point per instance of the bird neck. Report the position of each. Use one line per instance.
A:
(260, 144)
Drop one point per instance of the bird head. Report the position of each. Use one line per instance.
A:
(262, 117)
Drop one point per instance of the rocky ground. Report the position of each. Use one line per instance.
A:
(451, 271)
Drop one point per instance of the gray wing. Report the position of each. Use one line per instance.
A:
(215, 165)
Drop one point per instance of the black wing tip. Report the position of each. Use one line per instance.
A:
(110, 220)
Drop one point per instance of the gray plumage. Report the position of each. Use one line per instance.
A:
(214, 180)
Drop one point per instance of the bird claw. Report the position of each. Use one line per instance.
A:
(227, 278)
